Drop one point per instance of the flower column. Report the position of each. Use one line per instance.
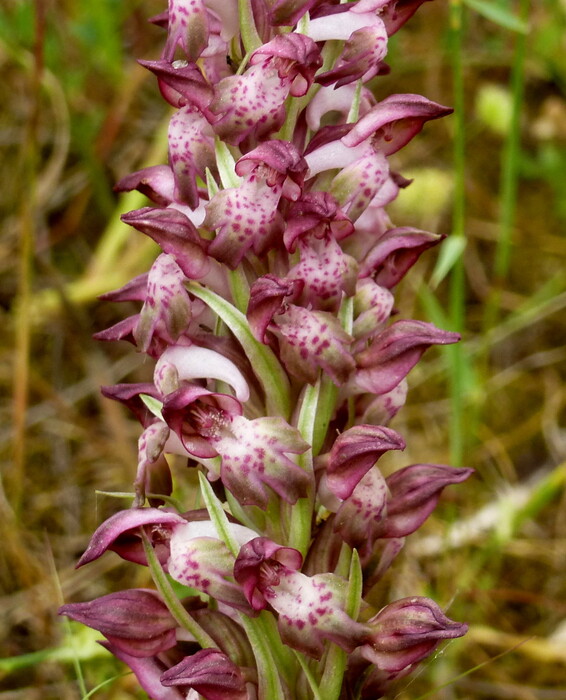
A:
(277, 367)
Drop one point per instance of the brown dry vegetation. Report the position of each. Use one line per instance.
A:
(78, 113)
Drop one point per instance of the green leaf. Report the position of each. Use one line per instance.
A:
(217, 515)
(226, 165)
(355, 582)
(265, 364)
(451, 251)
(498, 14)
(153, 404)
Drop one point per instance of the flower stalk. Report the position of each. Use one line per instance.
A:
(277, 365)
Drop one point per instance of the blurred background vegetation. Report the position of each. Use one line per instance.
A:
(77, 114)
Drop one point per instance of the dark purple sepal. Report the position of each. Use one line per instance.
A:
(210, 673)
(156, 182)
(316, 214)
(250, 573)
(395, 351)
(289, 12)
(199, 417)
(407, 631)
(268, 297)
(134, 290)
(414, 493)
(354, 453)
(120, 533)
(175, 234)
(359, 519)
(182, 84)
(394, 121)
(397, 12)
(395, 253)
(136, 620)
(297, 58)
(129, 395)
(148, 671)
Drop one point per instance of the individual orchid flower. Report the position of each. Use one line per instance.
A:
(310, 608)
(395, 252)
(361, 58)
(394, 352)
(247, 217)
(210, 673)
(252, 104)
(354, 453)
(148, 671)
(405, 632)
(253, 452)
(413, 494)
(136, 621)
(361, 150)
(326, 272)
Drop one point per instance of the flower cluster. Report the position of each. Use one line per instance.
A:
(277, 367)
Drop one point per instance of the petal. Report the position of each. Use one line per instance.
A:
(395, 253)
(194, 362)
(407, 631)
(268, 297)
(175, 234)
(394, 121)
(311, 341)
(414, 493)
(354, 453)
(395, 351)
(116, 533)
(136, 620)
(210, 673)
(254, 456)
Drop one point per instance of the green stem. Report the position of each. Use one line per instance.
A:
(509, 176)
(268, 678)
(168, 594)
(248, 31)
(458, 280)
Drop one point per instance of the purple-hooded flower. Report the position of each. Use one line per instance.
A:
(148, 671)
(269, 296)
(210, 673)
(252, 104)
(175, 234)
(414, 492)
(395, 252)
(136, 620)
(253, 452)
(315, 215)
(326, 272)
(394, 352)
(310, 608)
(407, 631)
(311, 341)
(199, 558)
(247, 217)
(361, 58)
(354, 453)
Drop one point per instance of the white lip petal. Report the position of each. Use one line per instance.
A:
(194, 362)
